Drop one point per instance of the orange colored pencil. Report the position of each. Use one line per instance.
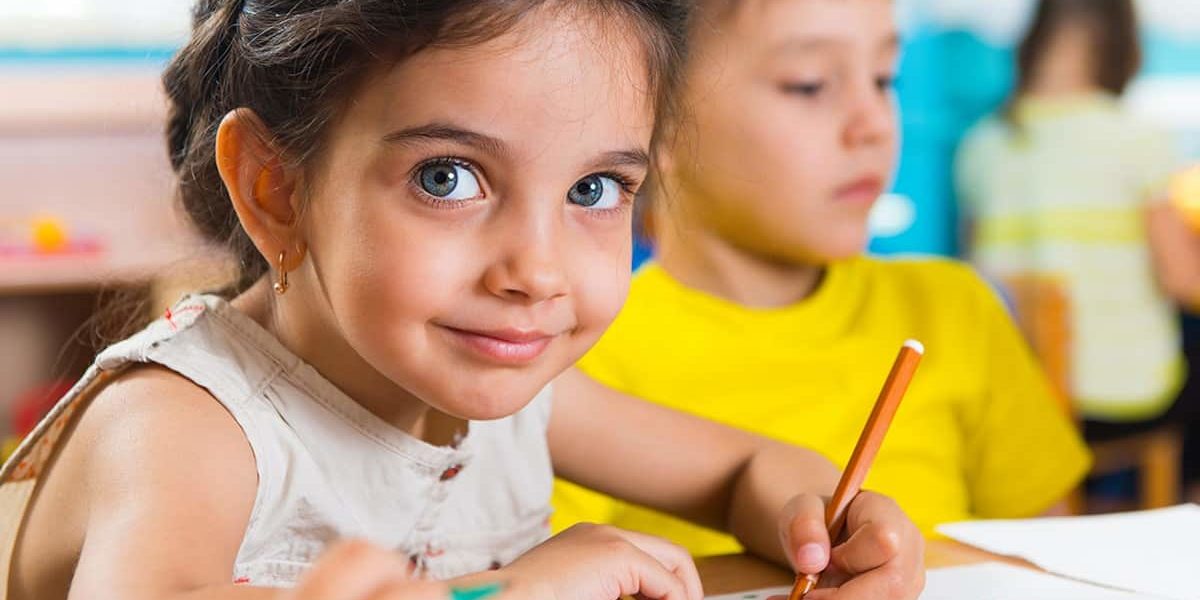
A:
(864, 452)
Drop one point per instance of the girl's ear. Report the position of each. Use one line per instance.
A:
(262, 190)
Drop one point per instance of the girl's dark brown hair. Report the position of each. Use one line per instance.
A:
(296, 62)
(1113, 28)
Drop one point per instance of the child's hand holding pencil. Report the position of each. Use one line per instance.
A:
(879, 552)
(879, 557)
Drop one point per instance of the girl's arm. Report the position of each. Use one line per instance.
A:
(169, 485)
(762, 491)
(1175, 249)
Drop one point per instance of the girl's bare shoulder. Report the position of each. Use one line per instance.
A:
(150, 408)
(152, 452)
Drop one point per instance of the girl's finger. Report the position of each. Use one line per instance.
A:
(411, 590)
(650, 579)
(673, 557)
(350, 571)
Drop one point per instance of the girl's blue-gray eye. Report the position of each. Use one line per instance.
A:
(448, 181)
(595, 191)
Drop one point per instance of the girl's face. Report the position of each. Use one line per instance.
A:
(469, 228)
(794, 130)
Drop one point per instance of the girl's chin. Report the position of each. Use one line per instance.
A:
(487, 406)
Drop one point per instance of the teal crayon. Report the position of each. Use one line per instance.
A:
(477, 593)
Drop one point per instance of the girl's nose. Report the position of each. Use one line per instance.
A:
(532, 270)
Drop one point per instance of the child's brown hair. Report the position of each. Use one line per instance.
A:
(1113, 29)
(295, 62)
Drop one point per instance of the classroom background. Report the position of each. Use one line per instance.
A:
(87, 210)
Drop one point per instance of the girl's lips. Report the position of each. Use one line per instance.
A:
(862, 191)
(511, 347)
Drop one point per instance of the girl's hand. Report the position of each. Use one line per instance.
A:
(596, 562)
(881, 557)
(360, 571)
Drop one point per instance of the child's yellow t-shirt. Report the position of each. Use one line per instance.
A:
(979, 433)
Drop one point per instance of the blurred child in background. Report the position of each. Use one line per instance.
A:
(1066, 184)
(1061, 184)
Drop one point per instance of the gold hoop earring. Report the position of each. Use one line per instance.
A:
(281, 286)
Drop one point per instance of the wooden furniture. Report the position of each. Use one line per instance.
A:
(736, 573)
(1043, 314)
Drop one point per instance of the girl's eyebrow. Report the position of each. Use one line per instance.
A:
(448, 133)
(635, 158)
(445, 132)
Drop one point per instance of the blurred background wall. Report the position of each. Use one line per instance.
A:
(958, 67)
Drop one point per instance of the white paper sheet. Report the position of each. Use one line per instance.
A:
(997, 581)
(987, 581)
(1154, 552)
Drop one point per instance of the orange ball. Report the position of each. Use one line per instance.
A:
(1185, 195)
(49, 234)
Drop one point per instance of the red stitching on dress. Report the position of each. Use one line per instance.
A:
(170, 316)
(451, 473)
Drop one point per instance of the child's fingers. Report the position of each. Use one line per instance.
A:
(879, 532)
(883, 556)
(673, 557)
(652, 580)
(868, 547)
(870, 506)
(803, 533)
(411, 590)
(351, 570)
(885, 583)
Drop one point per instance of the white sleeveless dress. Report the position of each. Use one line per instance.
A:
(328, 469)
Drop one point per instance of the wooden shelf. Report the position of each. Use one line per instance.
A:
(86, 148)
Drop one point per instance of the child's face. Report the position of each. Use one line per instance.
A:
(470, 228)
(794, 129)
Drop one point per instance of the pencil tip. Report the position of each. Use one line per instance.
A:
(915, 345)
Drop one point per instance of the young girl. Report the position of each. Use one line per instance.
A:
(1067, 184)
(760, 311)
(1062, 185)
(430, 203)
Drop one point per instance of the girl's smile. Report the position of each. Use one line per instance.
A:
(508, 346)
